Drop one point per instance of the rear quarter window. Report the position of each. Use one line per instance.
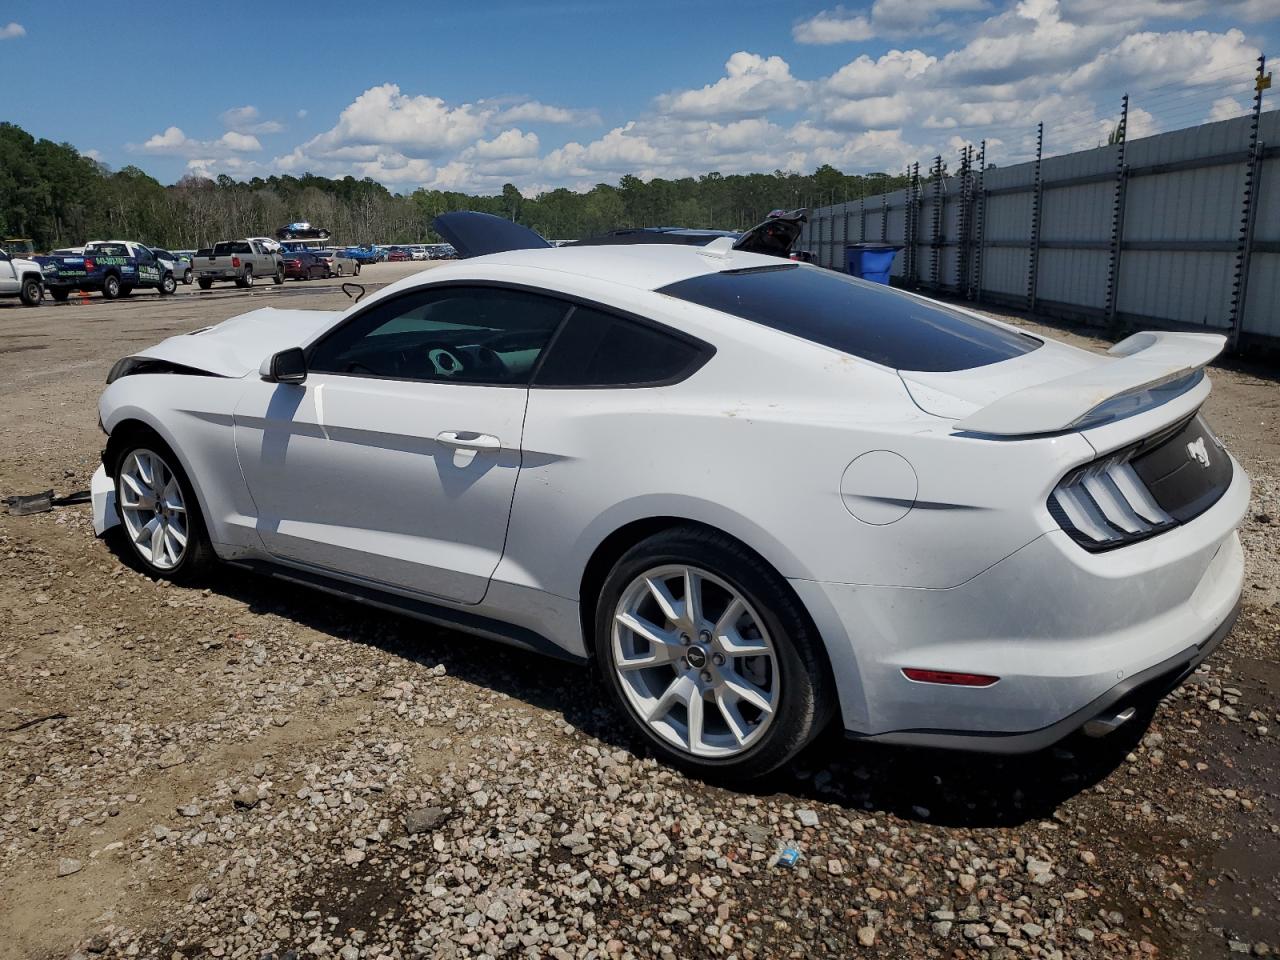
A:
(599, 349)
(856, 317)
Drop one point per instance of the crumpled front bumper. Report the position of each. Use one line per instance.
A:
(103, 494)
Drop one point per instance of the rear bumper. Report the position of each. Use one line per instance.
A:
(1068, 633)
(1141, 689)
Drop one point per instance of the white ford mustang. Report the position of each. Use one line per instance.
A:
(757, 494)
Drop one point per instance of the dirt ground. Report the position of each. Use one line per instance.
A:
(241, 769)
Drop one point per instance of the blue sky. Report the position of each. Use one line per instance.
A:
(469, 96)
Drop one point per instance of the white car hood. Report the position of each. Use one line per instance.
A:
(238, 346)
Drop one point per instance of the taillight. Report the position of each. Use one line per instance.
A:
(235, 262)
(88, 264)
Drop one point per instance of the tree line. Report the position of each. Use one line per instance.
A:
(58, 197)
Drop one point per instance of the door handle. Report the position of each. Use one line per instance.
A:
(469, 440)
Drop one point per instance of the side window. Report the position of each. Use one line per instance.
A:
(597, 349)
(486, 335)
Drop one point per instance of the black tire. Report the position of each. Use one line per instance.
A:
(204, 283)
(111, 287)
(60, 294)
(245, 279)
(168, 286)
(198, 556)
(806, 695)
(186, 277)
(279, 277)
(126, 290)
(340, 270)
(32, 292)
(356, 271)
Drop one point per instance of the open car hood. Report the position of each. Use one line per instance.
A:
(476, 234)
(776, 235)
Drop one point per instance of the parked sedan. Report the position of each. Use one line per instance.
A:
(305, 265)
(340, 265)
(398, 255)
(756, 495)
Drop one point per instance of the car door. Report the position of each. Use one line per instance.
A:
(395, 462)
(8, 276)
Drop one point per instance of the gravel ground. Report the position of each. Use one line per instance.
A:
(244, 769)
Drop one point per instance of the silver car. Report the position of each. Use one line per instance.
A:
(340, 265)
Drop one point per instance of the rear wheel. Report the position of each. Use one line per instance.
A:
(205, 283)
(32, 292)
(279, 277)
(356, 271)
(111, 287)
(159, 514)
(710, 656)
(60, 294)
(246, 278)
(186, 277)
(339, 269)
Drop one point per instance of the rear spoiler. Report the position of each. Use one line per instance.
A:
(1142, 365)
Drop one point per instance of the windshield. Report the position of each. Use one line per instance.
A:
(857, 317)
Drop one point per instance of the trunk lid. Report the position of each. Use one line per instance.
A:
(1058, 388)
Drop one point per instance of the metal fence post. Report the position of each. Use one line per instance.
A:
(979, 218)
(1248, 213)
(1033, 253)
(963, 223)
(935, 239)
(1117, 215)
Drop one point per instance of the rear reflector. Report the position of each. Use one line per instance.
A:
(952, 679)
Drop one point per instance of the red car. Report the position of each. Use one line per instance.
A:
(305, 265)
(396, 255)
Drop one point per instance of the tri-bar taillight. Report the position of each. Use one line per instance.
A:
(1144, 489)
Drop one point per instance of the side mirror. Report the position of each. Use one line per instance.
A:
(287, 366)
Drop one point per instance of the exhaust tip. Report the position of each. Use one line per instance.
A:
(1109, 722)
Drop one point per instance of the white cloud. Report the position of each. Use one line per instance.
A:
(508, 144)
(532, 111)
(12, 31)
(247, 119)
(174, 141)
(833, 26)
(864, 76)
(302, 114)
(887, 18)
(752, 85)
(385, 116)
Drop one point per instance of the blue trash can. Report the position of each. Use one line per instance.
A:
(870, 261)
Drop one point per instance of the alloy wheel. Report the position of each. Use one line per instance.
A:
(695, 661)
(153, 509)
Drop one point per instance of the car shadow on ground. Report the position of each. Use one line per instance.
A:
(933, 786)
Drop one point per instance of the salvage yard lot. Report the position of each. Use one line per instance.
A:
(243, 768)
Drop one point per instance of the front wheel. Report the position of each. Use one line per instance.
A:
(710, 656)
(355, 271)
(168, 286)
(32, 292)
(159, 514)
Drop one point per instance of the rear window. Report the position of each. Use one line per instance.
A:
(232, 246)
(856, 317)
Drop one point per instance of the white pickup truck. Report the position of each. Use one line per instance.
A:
(21, 278)
(243, 261)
